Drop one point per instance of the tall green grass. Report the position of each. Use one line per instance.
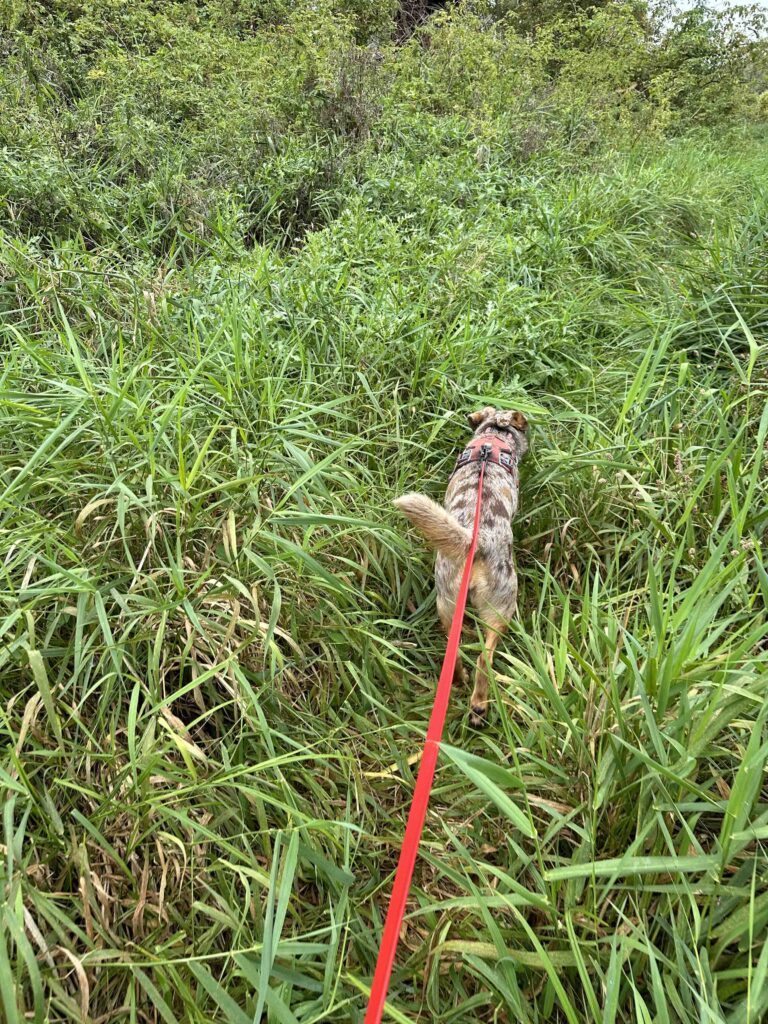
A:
(218, 644)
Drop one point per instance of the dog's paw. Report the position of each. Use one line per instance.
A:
(478, 715)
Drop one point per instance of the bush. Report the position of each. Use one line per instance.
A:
(184, 114)
(708, 66)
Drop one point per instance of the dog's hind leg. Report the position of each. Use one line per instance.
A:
(478, 703)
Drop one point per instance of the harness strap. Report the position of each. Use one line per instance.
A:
(487, 448)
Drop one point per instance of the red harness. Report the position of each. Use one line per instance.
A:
(488, 448)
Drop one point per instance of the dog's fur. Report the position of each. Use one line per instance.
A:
(493, 587)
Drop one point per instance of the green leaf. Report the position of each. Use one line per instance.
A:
(489, 778)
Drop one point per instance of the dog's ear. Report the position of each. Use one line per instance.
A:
(476, 418)
(519, 421)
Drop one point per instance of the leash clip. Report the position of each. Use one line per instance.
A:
(485, 452)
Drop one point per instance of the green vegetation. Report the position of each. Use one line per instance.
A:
(256, 263)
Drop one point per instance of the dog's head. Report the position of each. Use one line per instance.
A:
(503, 421)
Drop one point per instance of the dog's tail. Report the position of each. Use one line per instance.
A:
(441, 530)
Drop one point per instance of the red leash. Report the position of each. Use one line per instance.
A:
(422, 789)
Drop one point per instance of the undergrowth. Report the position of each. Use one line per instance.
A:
(218, 644)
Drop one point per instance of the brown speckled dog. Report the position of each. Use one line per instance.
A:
(493, 588)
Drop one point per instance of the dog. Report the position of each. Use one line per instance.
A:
(493, 584)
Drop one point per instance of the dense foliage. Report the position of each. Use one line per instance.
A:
(257, 260)
(139, 124)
